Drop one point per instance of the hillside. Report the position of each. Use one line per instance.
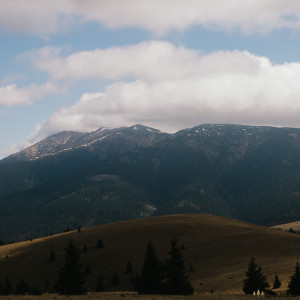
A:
(245, 172)
(292, 226)
(218, 248)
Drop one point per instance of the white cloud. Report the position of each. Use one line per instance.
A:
(250, 16)
(151, 61)
(12, 95)
(41, 17)
(173, 88)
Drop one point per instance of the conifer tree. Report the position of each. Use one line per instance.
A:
(8, 288)
(128, 267)
(22, 288)
(191, 268)
(115, 279)
(71, 277)
(100, 284)
(255, 278)
(150, 281)
(277, 283)
(177, 279)
(294, 284)
(51, 257)
(1, 288)
(87, 269)
(100, 244)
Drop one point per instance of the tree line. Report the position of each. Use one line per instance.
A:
(256, 281)
(155, 277)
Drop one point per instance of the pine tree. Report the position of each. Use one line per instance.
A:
(150, 281)
(8, 288)
(177, 278)
(294, 284)
(128, 267)
(51, 257)
(22, 288)
(191, 268)
(100, 244)
(115, 279)
(100, 284)
(1, 288)
(255, 279)
(71, 278)
(87, 269)
(277, 283)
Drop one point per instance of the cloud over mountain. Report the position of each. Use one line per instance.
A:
(169, 87)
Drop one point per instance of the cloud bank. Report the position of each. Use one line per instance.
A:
(12, 95)
(170, 88)
(44, 17)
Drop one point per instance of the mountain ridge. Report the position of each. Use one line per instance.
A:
(71, 140)
(245, 172)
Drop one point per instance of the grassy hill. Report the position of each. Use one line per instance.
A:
(218, 248)
(289, 226)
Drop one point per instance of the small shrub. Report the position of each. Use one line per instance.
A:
(8, 288)
(22, 288)
(51, 257)
(115, 279)
(100, 244)
(100, 284)
(128, 267)
(87, 269)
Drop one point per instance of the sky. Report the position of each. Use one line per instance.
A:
(168, 64)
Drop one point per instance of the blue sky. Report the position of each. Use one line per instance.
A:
(81, 65)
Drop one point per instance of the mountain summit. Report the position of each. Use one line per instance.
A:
(82, 179)
(135, 136)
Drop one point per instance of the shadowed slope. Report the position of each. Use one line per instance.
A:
(218, 249)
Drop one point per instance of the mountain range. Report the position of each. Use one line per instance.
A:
(73, 179)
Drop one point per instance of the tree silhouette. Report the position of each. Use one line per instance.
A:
(150, 281)
(255, 279)
(22, 288)
(8, 288)
(87, 270)
(277, 283)
(115, 279)
(71, 277)
(51, 257)
(100, 284)
(294, 284)
(100, 244)
(177, 279)
(128, 267)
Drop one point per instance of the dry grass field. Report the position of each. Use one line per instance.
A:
(218, 249)
(128, 296)
(287, 226)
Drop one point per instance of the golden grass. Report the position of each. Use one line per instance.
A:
(294, 225)
(218, 248)
(130, 296)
